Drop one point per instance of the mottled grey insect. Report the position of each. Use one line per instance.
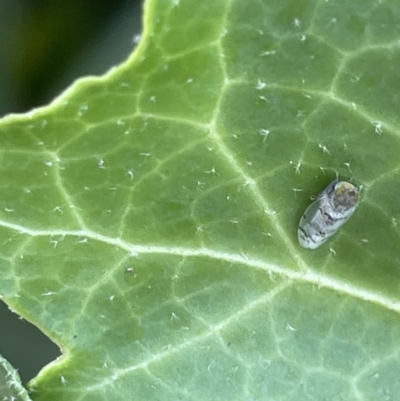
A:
(332, 208)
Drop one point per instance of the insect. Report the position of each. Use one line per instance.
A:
(332, 208)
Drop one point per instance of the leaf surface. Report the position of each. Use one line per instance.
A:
(11, 388)
(149, 218)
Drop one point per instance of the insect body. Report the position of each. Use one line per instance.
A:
(332, 208)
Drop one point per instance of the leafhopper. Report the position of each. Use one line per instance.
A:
(323, 218)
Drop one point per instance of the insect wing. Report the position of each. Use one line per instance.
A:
(311, 231)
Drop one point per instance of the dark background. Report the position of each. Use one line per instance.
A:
(44, 46)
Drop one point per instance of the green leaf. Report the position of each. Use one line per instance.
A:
(11, 388)
(149, 218)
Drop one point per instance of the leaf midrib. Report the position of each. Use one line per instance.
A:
(308, 275)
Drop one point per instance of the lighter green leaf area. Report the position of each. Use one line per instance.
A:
(11, 388)
(149, 217)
